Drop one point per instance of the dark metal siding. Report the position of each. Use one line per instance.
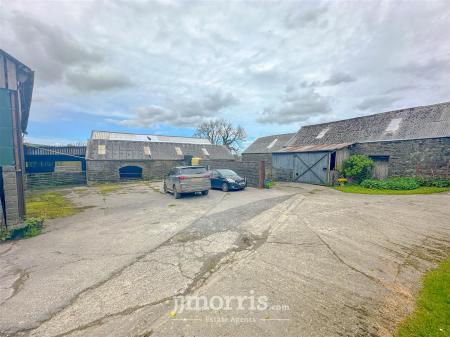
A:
(6, 130)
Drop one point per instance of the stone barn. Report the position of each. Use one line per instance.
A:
(262, 148)
(407, 142)
(113, 156)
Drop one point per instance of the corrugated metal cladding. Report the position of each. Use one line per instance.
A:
(6, 133)
(105, 135)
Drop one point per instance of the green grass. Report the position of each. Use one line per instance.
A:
(363, 190)
(108, 188)
(49, 205)
(432, 315)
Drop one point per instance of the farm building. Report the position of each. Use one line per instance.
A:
(16, 88)
(112, 156)
(262, 148)
(407, 142)
(49, 166)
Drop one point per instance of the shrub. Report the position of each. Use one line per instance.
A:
(430, 182)
(358, 167)
(396, 183)
(5, 234)
(33, 227)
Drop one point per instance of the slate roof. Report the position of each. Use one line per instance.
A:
(432, 121)
(136, 150)
(262, 145)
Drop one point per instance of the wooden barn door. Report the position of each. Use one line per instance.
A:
(381, 168)
(311, 167)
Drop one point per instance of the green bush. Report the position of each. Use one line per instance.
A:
(33, 227)
(358, 167)
(396, 183)
(5, 234)
(430, 182)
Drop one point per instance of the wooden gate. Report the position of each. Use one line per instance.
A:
(311, 167)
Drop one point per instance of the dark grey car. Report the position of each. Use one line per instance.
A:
(187, 179)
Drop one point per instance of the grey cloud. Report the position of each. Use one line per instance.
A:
(426, 69)
(339, 78)
(376, 102)
(333, 80)
(305, 17)
(296, 107)
(94, 80)
(49, 50)
(183, 112)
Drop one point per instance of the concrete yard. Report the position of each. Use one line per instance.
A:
(296, 260)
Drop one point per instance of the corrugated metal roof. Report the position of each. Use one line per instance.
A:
(314, 148)
(269, 144)
(106, 135)
(432, 121)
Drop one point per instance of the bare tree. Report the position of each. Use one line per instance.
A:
(222, 132)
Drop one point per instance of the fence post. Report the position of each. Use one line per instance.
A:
(262, 174)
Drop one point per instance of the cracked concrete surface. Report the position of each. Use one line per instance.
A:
(330, 264)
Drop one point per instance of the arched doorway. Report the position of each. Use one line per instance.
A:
(130, 172)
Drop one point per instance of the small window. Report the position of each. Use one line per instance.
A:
(272, 143)
(393, 126)
(147, 151)
(322, 133)
(205, 151)
(178, 150)
(101, 149)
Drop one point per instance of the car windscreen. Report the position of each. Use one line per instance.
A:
(193, 170)
(227, 173)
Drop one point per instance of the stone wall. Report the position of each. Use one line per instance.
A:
(11, 196)
(247, 170)
(423, 157)
(103, 171)
(256, 158)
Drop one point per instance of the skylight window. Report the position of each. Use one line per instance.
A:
(322, 133)
(205, 151)
(394, 124)
(101, 149)
(272, 144)
(147, 151)
(178, 150)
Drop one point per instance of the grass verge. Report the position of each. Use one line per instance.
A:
(363, 190)
(432, 315)
(49, 205)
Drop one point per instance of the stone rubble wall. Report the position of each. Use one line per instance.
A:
(408, 158)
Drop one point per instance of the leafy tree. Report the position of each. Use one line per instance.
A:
(220, 131)
(358, 167)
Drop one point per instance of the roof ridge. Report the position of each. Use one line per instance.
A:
(379, 113)
(145, 134)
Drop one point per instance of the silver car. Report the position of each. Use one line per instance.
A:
(187, 179)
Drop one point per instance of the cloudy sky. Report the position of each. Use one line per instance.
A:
(165, 66)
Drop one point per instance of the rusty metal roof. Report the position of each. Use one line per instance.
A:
(314, 148)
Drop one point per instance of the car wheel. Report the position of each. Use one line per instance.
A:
(176, 194)
(205, 192)
(225, 187)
